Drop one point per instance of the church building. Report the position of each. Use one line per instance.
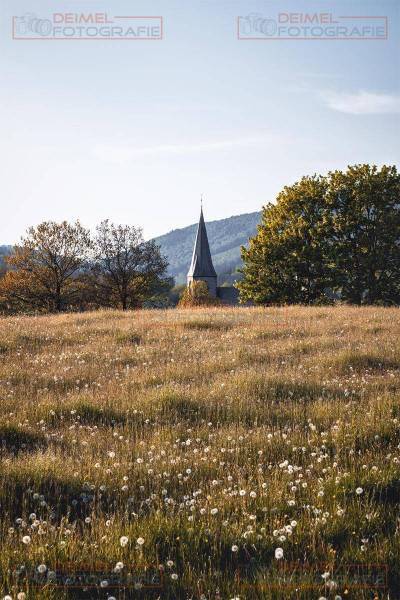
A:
(202, 268)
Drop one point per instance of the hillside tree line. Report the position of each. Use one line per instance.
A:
(61, 266)
(327, 238)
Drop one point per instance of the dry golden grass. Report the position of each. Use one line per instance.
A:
(216, 435)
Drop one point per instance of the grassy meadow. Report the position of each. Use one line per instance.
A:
(245, 452)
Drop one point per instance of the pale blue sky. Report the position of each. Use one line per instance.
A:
(135, 131)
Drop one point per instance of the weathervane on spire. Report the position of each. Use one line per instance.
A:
(201, 201)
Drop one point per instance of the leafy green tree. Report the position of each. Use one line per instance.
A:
(286, 261)
(364, 203)
(339, 233)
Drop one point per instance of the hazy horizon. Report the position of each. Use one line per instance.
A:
(137, 131)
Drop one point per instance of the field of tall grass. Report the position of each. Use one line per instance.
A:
(214, 453)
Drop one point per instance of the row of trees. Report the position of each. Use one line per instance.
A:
(327, 237)
(61, 266)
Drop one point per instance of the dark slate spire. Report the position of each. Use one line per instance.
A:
(202, 265)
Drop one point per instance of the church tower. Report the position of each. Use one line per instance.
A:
(202, 268)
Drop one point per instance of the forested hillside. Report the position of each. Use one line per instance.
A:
(225, 237)
(3, 251)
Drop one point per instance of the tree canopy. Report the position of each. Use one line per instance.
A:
(333, 236)
(44, 267)
(127, 270)
(60, 266)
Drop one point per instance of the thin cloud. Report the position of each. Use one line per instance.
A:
(126, 153)
(363, 103)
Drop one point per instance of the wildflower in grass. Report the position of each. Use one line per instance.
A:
(42, 568)
(278, 553)
(140, 541)
(7, 597)
(359, 491)
(104, 583)
(21, 596)
(214, 511)
(124, 540)
(235, 548)
(174, 576)
(26, 539)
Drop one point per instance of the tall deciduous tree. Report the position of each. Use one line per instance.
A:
(44, 268)
(365, 206)
(127, 269)
(339, 233)
(286, 260)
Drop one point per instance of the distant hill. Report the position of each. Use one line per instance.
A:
(225, 237)
(4, 250)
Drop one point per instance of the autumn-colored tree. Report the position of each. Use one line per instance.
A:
(43, 270)
(127, 270)
(197, 294)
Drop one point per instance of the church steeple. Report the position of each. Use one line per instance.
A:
(202, 267)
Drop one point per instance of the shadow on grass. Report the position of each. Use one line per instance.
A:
(22, 493)
(253, 403)
(359, 362)
(4, 348)
(203, 325)
(272, 390)
(384, 493)
(16, 440)
(32, 384)
(89, 414)
(368, 440)
(130, 338)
